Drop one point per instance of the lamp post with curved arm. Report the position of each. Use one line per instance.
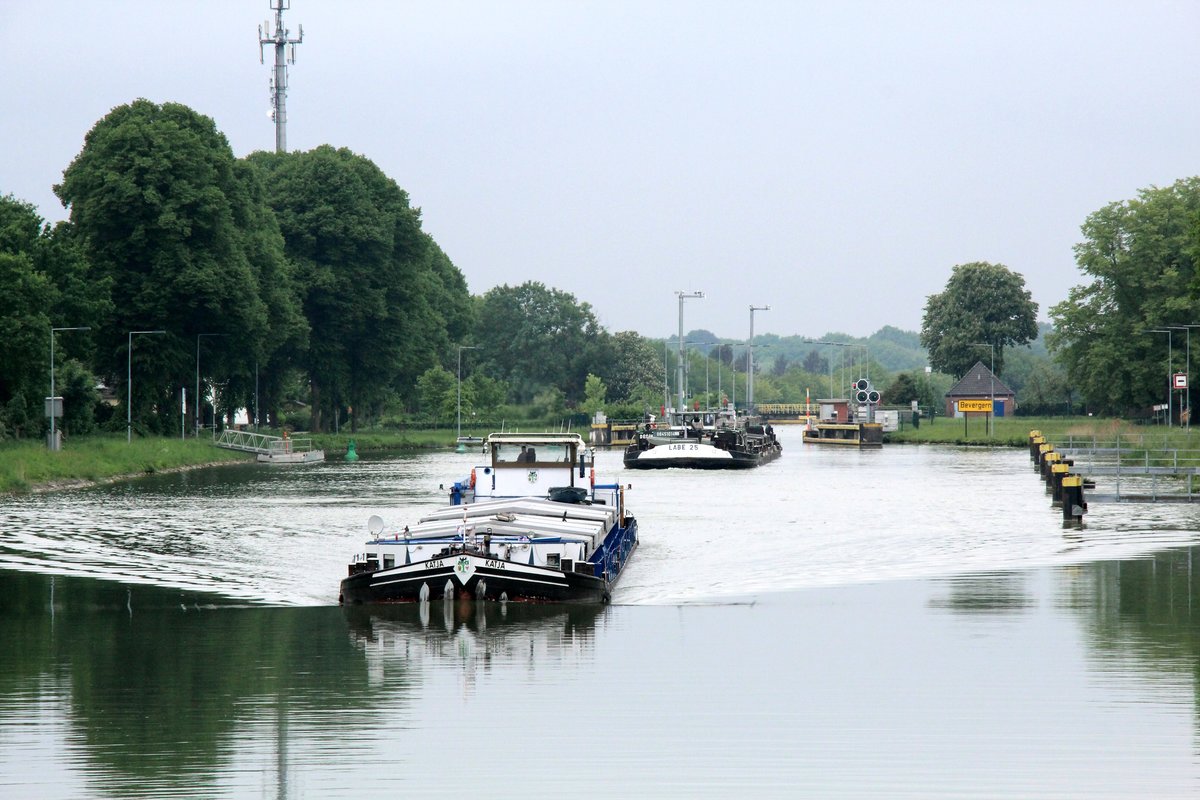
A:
(750, 359)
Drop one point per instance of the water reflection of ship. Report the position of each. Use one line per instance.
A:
(478, 636)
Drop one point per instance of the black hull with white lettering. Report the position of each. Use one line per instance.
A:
(465, 575)
(728, 449)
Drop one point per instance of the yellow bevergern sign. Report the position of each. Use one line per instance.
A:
(974, 406)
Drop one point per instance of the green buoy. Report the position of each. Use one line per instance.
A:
(350, 454)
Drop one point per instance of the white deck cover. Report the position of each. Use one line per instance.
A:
(532, 516)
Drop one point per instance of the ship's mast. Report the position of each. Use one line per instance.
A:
(283, 56)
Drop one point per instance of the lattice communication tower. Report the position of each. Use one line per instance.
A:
(285, 53)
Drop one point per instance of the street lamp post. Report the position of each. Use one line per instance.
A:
(1188, 370)
(53, 445)
(679, 367)
(750, 359)
(197, 398)
(129, 384)
(992, 380)
(461, 347)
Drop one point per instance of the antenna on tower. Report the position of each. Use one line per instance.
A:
(280, 41)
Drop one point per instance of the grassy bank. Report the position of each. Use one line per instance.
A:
(1014, 431)
(385, 441)
(28, 465)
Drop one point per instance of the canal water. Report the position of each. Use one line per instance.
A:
(908, 622)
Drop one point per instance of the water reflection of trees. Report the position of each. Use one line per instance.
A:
(166, 692)
(988, 593)
(1142, 612)
(159, 684)
(1146, 609)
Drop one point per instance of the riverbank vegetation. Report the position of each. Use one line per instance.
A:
(29, 465)
(1014, 432)
(300, 291)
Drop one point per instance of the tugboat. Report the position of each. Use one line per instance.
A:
(532, 524)
(713, 439)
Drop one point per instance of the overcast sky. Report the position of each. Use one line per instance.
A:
(833, 160)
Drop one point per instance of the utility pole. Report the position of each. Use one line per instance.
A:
(680, 386)
(283, 56)
(750, 359)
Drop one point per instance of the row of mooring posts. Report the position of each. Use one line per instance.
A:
(1066, 490)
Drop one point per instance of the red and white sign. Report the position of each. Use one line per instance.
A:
(1179, 380)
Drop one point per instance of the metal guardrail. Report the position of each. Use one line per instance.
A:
(1137, 465)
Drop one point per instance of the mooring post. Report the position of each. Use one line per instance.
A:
(1043, 449)
(1048, 461)
(1073, 504)
(1057, 473)
(1035, 439)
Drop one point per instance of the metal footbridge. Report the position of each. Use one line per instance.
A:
(261, 443)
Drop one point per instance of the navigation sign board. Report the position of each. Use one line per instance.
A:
(1179, 380)
(974, 406)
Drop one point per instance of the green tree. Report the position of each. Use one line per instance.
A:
(24, 334)
(382, 301)
(45, 280)
(157, 200)
(593, 394)
(903, 389)
(1141, 255)
(489, 393)
(268, 366)
(434, 386)
(456, 400)
(550, 404)
(637, 368)
(815, 363)
(538, 338)
(1046, 390)
(982, 303)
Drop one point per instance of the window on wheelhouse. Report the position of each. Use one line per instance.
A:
(540, 453)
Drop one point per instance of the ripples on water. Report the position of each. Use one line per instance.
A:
(816, 517)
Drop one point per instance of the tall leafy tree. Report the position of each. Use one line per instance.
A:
(593, 394)
(982, 303)
(382, 301)
(159, 205)
(46, 283)
(537, 338)
(24, 313)
(1142, 257)
(280, 350)
(434, 386)
(637, 372)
